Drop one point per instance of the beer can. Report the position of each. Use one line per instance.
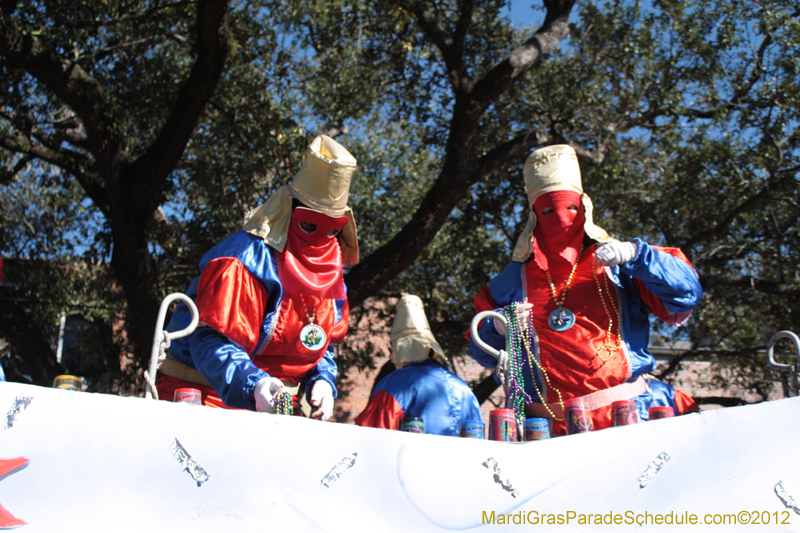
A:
(412, 425)
(536, 429)
(624, 413)
(577, 417)
(502, 425)
(68, 382)
(190, 396)
(472, 429)
(660, 411)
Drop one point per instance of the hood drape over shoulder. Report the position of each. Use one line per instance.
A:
(412, 338)
(553, 168)
(323, 184)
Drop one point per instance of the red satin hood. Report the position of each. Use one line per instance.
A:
(557, 237)
(312, 263)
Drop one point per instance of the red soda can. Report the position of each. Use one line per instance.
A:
(624, 413)
(190, 396)
(577, 417)
(660, 411)
(502, 425)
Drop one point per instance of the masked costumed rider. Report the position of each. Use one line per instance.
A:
(582, 302)
(421, 386)
(271, 297)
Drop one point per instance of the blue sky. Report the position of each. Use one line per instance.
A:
(522, 13)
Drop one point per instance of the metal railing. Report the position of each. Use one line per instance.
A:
(163, 338)
(793, 368)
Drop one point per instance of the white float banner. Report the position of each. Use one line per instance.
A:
(74, 461)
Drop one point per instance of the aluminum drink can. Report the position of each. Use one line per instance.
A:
(660, 411)
(190, 396)
(68, 382)
(412, 425)
(536, 429)
(472, 429)
(502, 425)
(624, 413)
(577, 417)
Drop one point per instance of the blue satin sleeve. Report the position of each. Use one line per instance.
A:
(674, 282)
(504, 289)
(226, 367)
(223, 363)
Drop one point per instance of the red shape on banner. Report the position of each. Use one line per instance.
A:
(8, 467)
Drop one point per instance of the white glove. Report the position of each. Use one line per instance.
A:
(524, 310)
(322, 399)
(266, 391)
(615, 253)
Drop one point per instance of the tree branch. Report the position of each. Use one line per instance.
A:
(452, 49)
(6, 177)
(431, 29)
(145, 177)
(8, 6)
(745, 206)
(485, 388)
(512, 150)
(462, 26)
(459, 169)
(724, 401)
(458, 73)
(760, 285)
(544, 42)
(66, 159)
(69, 82)
(737, 100)
(108, 50)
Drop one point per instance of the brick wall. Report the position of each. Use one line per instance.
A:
(370, 331)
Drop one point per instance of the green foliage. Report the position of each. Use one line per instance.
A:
(53, 245)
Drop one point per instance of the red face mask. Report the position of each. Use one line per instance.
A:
(559, 227)
(556, 212)
(315, 228)
(312, 261)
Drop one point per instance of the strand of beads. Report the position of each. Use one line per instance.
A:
(283, 404)
(516, 397)
(560, 301)
(608, 346)
(534, 363)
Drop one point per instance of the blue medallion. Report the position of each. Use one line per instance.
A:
(561, 319)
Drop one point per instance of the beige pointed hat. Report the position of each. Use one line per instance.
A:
(412, 339)
(322, 183)
(553, 168)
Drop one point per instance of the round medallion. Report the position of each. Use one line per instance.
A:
(312, 337)
(561, 319)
